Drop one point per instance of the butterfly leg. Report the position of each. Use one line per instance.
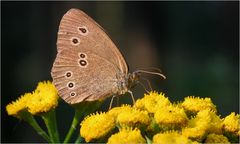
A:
(132, 96)
(149, 84)
(110, 106)
(143, 86)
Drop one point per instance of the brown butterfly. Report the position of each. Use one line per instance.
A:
(88, 65)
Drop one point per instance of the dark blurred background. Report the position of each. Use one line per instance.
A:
(195, 44)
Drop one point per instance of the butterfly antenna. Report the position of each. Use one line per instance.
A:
(150, 72)
(153, 69)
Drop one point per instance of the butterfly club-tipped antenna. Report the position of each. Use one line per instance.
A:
(153, 71)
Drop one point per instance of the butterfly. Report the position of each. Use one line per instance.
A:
(88, 65)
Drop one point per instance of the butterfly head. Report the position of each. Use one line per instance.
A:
(133, 79)
(125, 82)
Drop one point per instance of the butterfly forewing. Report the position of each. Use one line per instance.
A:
(91, 37)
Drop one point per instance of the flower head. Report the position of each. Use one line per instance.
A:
(152, 101)
(215, 126)
(114, 112)
(96, 126)
(17, 106)
(198, 126)
(170, 137)
(133, 118)
(231, 123)
(127, 135)
(196, 104)
(215, 138)
(43, 99)
(171, 116)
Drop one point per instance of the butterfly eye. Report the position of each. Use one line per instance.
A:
(82, 55)
(71, 85)
(83, 63)
(75, 41)
(68, 74)
(83, 30)
(72, 94)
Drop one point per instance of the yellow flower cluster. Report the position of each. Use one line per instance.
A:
(90, 126)
(152, 102)
(196, 104)
(127, 136)
(133, 118)
(171, 137)
(99, 125)
(15, 107)
(216, 138)
(154, 118)
(231, 123)
(171, 116)
(205, 122)
(43, 99)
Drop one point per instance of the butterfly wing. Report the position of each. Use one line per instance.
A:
(78, 26)
(78, 81)
(87, 61)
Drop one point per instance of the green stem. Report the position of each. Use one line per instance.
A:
(76, 118)
(51, 123)
(79, 140)
(31, 120)
(81, 109)
(148, 140)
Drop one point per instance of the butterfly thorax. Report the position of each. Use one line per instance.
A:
(124, 82)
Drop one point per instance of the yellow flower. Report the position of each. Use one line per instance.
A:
(152, 101)
(171, 116)
(198, 127)
(215, 138)
(43, 99)
(231, 123)
(133, 118)
(96, 126)
(114, 112)
(17, 106)
(127, 136)
(196, 104)
(170, 137)
(215, 126)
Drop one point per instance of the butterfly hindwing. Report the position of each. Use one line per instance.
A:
(77, 79)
